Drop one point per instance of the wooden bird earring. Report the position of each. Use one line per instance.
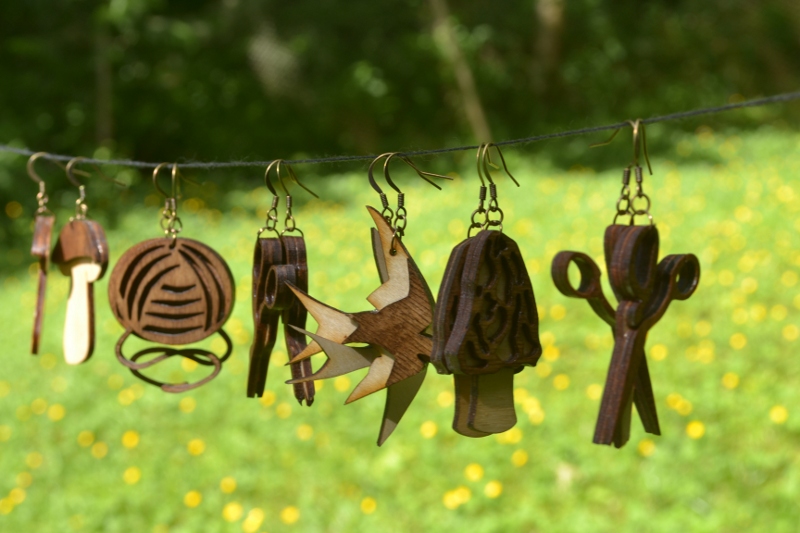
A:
(171, 291)
(644, 288)
(395, 345)
(44, 219)
(486, 326)
(81, 253)
(276, 261)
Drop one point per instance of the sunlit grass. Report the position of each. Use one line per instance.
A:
(91, 448)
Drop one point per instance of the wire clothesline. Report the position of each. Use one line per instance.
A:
(756, 102)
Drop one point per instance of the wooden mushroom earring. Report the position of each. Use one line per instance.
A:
(644, 288)
(40, 249)
(171, 291)
(81, 253)
(395, 347)
(277, 261)
(486, 326)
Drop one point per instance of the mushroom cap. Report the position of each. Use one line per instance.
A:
(81, 240)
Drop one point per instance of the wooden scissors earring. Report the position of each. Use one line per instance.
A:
(81, 253)
(644, 288)
(44, 219)
(486, 326)
(171, 291)
(276, 261)
(397, 349)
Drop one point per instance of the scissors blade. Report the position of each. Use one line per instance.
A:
(644, 399)
(620, 383)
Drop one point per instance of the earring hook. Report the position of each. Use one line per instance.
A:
(32, 171)
(175, 180)
(71, 172)
(638, 145)
(388, 156)
(267, 179)
(41, 196)
(487, 162)
(293, 176)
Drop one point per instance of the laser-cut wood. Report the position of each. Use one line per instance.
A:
(81, 253)
(644, 288)
(276, 262)
(173, 292)
(395, 331)
(485, 327)
(40, 249)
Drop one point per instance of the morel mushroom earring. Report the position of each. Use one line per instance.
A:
(486, 326)
(172, 291)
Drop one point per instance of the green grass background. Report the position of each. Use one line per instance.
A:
(723, 363)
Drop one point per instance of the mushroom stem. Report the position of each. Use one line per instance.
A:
(79, 324)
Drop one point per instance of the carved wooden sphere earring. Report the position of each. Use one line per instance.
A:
(171, 291)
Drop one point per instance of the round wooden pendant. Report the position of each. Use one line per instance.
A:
(171, 291)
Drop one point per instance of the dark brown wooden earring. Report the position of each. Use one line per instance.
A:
(171, 291)
(44, 220)
(486, 326)
(81, 253)
(277, 261)
(397, 348)
(644, 289)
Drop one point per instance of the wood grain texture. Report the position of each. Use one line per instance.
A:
(277, 264)
(486, 319)
(267, 252)
(40, 249)
(591, 290)
(172, 292)
(395, 329)
(81, 253)
(294, 314)
(485, 324)
(644, 288)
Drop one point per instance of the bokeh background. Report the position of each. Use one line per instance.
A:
(91, 448)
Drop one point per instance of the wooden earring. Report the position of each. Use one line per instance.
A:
(486, 326)
(397, 348)
(277, 261)
(81, 253)
(44, 219)
(171, 291)
(644, 289)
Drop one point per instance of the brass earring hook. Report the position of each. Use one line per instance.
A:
(293, 177)
(387, 212)
(289, 224)
(170, 221)
(41, 196)
(267, 179)
(487, 162)
(155, 180)
(72, 171)
(639, 143)
(272, 215)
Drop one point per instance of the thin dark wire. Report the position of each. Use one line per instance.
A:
(757, 102)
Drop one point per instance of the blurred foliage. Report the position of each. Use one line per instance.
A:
(249, 79)
(91, 448)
